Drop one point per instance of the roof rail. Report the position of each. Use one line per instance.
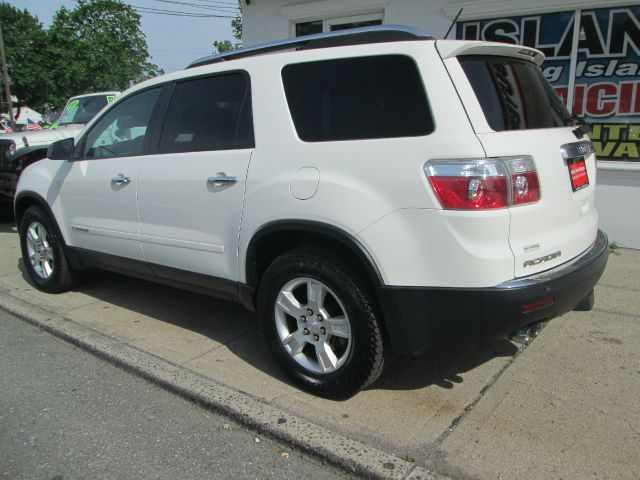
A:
(352, 36)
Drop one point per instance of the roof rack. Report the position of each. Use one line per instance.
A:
(353, 36)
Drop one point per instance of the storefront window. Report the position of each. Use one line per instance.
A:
(596, 71)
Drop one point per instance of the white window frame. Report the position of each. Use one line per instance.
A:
(327, 23)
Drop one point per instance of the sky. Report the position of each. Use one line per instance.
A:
(173, 41)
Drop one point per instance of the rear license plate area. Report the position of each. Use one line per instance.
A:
(578, 174)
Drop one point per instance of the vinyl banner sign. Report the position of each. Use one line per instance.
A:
(607, 71)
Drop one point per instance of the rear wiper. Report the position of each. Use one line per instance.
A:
(583, 129)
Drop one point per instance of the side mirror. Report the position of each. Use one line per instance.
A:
(61, 150)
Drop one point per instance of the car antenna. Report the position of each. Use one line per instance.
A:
(452, 24)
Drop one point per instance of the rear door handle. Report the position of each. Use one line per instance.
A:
(120, 179)
(221, 179)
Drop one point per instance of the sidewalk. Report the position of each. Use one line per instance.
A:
(564, 406)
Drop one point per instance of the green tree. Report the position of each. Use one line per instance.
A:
(236, 27)
(26, 51)
(97, 46)
(223, 45)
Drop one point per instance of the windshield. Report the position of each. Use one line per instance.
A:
(513, 94)
(81, 110)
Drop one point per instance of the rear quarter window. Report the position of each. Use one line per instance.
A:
(513, 93)
(357, 98)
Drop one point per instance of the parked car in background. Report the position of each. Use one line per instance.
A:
(363, 191)
(17, 150)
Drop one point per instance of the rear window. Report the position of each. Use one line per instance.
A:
(513, 93)
(357, 98)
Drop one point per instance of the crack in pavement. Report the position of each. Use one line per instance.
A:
(483, 391)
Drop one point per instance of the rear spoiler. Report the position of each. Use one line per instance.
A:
(454, 48)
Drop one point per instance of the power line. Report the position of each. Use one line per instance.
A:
(219, 2)
(178, 51)
(177, 13)
(205, 7)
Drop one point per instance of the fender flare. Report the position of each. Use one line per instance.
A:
(331, 231)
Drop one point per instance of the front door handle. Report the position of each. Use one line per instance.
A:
(120, 179)
(221, 179)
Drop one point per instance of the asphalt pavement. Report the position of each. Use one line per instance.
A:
(65, 414)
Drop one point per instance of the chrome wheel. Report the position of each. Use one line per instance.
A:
(312, 325)
(39, 249)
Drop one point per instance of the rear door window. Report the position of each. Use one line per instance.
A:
(513, 93)
(357, 98)
(210, 113)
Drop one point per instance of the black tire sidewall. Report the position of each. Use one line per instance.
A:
(352, 375)
(55, 282)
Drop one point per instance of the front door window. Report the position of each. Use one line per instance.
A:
(122, 131)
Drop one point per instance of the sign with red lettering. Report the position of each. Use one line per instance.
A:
(607, 84)
(578, 174)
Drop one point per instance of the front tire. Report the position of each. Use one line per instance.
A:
(321, 321)
(43, 252)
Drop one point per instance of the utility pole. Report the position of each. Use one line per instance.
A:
(5, 77)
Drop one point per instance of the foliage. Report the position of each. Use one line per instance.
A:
(26, 51)
(236, 27)
(97, 46)
(223, 45)
(614, 247)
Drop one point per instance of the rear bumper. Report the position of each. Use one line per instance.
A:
(420, 318)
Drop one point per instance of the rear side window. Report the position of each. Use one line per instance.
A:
(357, 98)
(513, 93)
(211, 113)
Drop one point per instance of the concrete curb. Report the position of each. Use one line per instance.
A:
(348, 454)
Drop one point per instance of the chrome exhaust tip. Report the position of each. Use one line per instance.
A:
(525, 335)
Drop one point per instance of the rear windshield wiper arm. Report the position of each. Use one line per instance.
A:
(583, 129)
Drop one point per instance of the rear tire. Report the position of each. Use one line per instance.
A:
(43, 252)
(321, 321)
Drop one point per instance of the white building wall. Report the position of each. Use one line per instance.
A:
(269, 20)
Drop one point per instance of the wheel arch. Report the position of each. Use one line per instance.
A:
(27, 199)
(277, 237)
(31, 152)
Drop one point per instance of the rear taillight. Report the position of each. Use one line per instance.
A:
(525, 187)
(487, 183)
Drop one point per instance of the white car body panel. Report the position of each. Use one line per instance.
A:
(186, 222)
(562, 221)
(44, 137)
(98, 215)
(361, 182)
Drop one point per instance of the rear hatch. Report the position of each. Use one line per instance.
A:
(515, 112)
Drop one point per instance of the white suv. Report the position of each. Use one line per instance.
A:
(363, 191)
